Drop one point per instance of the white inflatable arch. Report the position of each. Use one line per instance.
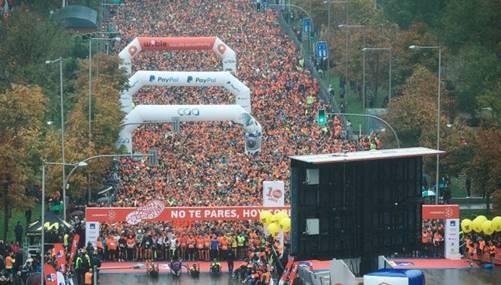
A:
(139, 44)
(186, 78)
(143, 114)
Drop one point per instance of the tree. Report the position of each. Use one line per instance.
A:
(472, 70)
(486, 164)
(21, 120)
(106, 121)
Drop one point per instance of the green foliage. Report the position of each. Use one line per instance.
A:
(472, 70)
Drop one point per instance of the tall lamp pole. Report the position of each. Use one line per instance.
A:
(347, 27)
(363, 70)
(42, 219)
(437, 173)
(90, 80)
(60, 61)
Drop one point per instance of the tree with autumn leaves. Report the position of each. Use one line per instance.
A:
(22, 110)
(106, 119)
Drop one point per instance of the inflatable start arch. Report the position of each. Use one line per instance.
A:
(143, 114)
(139, 44)
(186, 78)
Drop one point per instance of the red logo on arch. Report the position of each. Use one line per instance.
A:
(132, 51)
(221, 48)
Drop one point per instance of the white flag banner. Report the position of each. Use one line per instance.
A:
(273, 193)
(91, 232)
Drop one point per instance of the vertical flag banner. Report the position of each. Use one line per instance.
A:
(447, 217)
(60, 255)
(91, 232)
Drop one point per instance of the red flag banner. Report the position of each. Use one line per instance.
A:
(60, 255)
(50, 274)
(74, 247)
(152, 212)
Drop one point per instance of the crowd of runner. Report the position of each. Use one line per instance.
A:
(205, 164)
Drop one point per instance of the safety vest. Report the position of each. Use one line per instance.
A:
(66, 239)
(78, 263)
(241, 240)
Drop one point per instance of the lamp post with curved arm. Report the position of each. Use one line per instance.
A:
(437, 172)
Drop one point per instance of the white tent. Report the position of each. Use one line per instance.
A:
(144, 114)
(186, 78)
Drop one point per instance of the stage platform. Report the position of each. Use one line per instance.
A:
(429, 263)
(137, 267)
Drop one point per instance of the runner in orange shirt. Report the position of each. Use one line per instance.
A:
(223, 241)
(191, 242)
(183, 246)
(200, 246)
(206, 247)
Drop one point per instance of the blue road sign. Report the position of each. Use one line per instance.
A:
(307, 25)
(321, 49)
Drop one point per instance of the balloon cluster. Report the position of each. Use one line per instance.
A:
(274, 223)
(481, 225)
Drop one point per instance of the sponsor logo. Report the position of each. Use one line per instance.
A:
(169, 79)
(453, 223)
(155, 44)
(149, 211)
(221, 48)
(132, 51)
(207, 80)
(188, 112)
(92, 226)
(233, 87)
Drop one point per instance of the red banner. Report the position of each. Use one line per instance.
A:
(50, 274)
(177, 43)
(60, 255)
(151, 212)
(74, 247)
(440, 212)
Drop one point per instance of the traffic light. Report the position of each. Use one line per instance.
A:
(322, 118)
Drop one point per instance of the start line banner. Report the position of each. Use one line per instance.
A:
(153, 213)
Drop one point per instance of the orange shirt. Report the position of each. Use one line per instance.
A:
(111, 243)
(200, 242)
(207, 242)
(224, 243)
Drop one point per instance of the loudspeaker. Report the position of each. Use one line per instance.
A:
(363, 209)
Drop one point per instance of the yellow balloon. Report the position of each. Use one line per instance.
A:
(273, 229)
(487, 228)
(285, 224)
(481, 218)
(496, 224)
(275, 218)
(281, 215)
(476, 225)
(466, 225)
(265, 217)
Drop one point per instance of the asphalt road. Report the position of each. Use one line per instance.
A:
(433, 277)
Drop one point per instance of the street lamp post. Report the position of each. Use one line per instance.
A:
(90, 79)
(437, 173)
(42, 219)
(347, 27)
(363, 70)
(60, 61)
(82, 163)
(329, 25)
